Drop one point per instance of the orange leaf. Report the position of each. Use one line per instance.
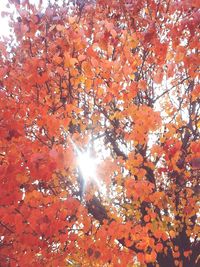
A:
(22, 178)
(146, 218)
(159, 247)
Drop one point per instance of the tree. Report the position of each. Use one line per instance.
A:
(118, 79)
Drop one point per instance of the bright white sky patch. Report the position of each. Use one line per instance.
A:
(87, 166)
(4, 26)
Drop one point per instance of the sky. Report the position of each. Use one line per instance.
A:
(4, 27)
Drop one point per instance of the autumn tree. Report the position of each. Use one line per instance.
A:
(115, 81)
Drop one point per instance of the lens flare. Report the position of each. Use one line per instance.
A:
(87, 166)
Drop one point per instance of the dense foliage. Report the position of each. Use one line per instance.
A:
(118, 79)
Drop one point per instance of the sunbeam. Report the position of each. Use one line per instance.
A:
(87, 166)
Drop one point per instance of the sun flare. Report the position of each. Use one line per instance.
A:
(87, 166)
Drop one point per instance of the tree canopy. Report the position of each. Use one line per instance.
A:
(116, 84)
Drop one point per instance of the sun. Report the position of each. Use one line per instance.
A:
(87, 166)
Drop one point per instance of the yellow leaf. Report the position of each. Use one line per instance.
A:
(172, 233)
(132, 77)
